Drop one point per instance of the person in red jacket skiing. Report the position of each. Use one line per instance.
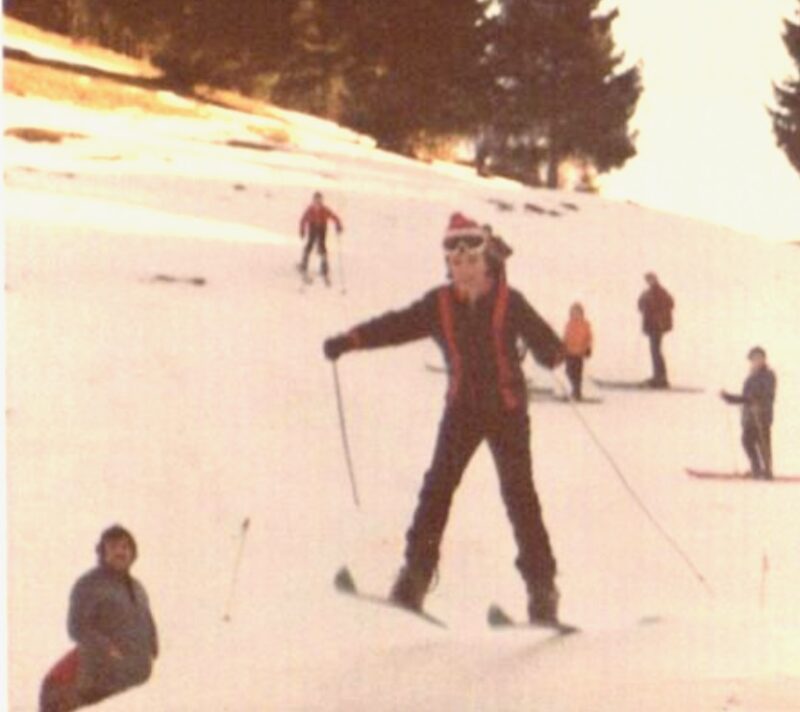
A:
(656, 305)
(476, 320)
(315, 223)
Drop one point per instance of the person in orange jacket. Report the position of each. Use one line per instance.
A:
(577, 346)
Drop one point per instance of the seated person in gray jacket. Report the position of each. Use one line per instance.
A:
(110, 620)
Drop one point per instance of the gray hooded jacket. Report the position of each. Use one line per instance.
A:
(110, 610)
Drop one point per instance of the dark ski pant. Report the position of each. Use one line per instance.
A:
(659, 364)
(757, 443)
(508, 436)
(574, 365)
(316, 236)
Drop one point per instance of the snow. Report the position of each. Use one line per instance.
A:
(181, 410)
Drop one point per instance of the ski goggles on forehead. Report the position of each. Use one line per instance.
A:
(464, 243)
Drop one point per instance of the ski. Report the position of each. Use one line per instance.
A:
(739, 476)
(345, 583)
(642, 386)
(590, 400)
(496, 617)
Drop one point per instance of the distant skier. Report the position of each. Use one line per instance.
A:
(475, 320)
(315, 223)
(757, 400)
(578, 346)
(110, 620)
(656, 305)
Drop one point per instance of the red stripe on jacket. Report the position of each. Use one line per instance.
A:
(504, 373)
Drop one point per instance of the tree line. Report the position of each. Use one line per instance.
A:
(535, 84)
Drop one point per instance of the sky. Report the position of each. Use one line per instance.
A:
(705, 146)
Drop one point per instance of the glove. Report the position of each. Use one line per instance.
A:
(336, 346)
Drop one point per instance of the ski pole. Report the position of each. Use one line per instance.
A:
(341, 261)
(242, 536)
(732, 439)
(343, 430)
(668, 538)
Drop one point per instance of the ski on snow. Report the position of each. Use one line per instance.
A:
(497, 618)
(345, 583)
(585, 400)
(739, 476)
(642, 386)
(307, 279)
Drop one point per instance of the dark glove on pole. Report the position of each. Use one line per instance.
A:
(336, 346)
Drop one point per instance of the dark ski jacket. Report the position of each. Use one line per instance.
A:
(757, 398)
(656, 305)
(317, 217)
(478, 342)
(109, 608)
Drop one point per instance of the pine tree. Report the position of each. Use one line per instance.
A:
(786, 119)
(557, 91)
(226, 43)
(415, 68)
(311, 76)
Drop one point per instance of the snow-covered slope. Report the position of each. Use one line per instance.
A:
(180, 410)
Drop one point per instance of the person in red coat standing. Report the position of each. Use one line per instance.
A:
(656, 305)
(475, 320)
(314, 223)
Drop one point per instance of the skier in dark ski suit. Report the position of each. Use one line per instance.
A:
(757, 400)
(656, 305)
(486, 400)
(315, 223)
(110, 620)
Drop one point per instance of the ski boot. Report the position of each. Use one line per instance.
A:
(543, 604)
(410, 588)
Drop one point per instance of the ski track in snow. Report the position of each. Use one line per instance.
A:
(179, 410)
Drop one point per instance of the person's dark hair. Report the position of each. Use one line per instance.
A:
(497, 252)
(113, 533)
